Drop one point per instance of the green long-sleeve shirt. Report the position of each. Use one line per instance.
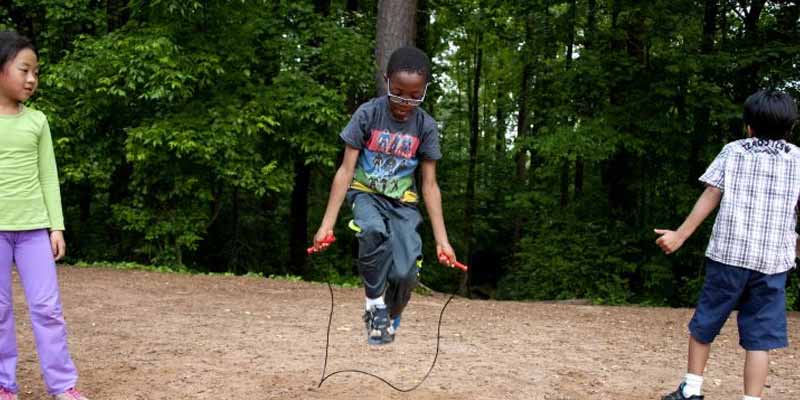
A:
(29, 194)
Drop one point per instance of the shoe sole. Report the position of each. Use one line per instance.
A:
(379, 339)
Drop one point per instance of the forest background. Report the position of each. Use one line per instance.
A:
(203, 135)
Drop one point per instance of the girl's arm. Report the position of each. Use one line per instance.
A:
(433, 204)
(342, 180)
(48, 181)
(671, 241)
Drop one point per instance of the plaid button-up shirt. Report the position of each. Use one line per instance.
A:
(755, 225)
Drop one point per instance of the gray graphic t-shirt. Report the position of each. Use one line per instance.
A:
(390, 149)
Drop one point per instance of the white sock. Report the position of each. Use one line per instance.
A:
(746, 397)
(693, 385)
(376, 302)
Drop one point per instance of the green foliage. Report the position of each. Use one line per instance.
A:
(178, 126)
(569, 260)
(168, 123)
(133, 266)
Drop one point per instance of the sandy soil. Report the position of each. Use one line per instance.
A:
(146, 335)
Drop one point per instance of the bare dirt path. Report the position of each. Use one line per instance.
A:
(147, 335)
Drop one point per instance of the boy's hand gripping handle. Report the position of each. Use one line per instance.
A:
(455, 263)
(328, 240)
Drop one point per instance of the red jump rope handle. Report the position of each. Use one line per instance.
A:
(455, 263)
(328, 240)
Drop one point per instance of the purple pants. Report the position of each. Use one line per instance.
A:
(31, 252)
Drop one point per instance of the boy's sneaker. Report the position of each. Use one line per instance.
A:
(6, 394)
(376, 320)
(70, 394)
(678, 395)
(396, 322)
(392, 330)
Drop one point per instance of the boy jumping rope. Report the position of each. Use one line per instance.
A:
(756, 183)
(385, 140)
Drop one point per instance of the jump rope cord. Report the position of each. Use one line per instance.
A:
(356, 371)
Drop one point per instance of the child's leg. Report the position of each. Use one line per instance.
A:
(698, 356)
(37, 271)
(756, 367)
(721, 292)
(406, 251)
(762, 327)
(374, 256)
(8, 338)
(722, 288)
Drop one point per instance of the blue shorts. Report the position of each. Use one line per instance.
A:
(760, 299)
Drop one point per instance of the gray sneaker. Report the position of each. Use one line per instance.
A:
(376, 320)
(70, 394)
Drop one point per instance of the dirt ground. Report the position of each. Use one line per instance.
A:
(147, 335)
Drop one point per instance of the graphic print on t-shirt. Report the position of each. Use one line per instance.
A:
(387, 163)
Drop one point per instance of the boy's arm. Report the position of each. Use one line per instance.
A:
(671, 241)
(342, 180)
(433, 204)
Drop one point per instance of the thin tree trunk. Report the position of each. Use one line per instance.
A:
(500, 116)
(703, 113)
(298, 216)
(118, 12)
(234, 258)
(322, 7)
(745, 82)
(396, 27)
(423, 24)
(522, 116)
(474, 128)
(523, 127)
(578, 177)
(591, 34)
(564, 200)
(298, 209)
(620, 169)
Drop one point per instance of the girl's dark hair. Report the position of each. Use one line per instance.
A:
(771, 114)
(11, 43)
(409, 59)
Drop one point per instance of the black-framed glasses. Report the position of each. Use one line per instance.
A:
(403, 100)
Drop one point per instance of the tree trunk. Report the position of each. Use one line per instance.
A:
(298, 217)
(703, 113)
(234, 258)
(322, 7)
(591, 35)
(522, 116)
(500, 116)
(24, 19)
(746, 82)
(591, 24)
(619, 172)
(396, 27)
(423, 19)
(521, 146)
(578, 177)
(178, 253)
(564, 200)
(474, 128)
(117, 14)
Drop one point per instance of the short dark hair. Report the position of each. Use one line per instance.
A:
(11, 43)
(409, 59)
(771, 114)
